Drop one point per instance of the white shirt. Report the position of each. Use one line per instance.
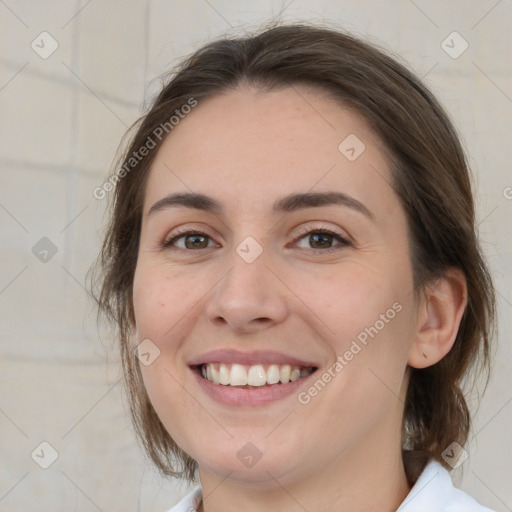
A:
(432, 492)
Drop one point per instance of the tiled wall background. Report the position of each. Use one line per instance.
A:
(62, 116)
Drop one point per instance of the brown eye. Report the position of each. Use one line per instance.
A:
(322, 239)
(319, 239)
(193, 240)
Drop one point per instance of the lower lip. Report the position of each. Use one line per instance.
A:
(240, 397)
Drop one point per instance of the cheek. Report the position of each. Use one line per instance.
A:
(347, 301)
(365, 314)
(160, 300)
(164, 303)
(376, 330)
(161, 297)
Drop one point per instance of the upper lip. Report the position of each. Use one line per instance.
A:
(249, 358)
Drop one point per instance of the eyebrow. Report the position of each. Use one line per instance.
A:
(288, 203)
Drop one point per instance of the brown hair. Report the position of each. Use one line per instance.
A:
(430, 176)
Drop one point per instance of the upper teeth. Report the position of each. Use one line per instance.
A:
(256, 375)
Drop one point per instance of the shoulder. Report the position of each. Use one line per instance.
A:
(189, 503)
(435, 492)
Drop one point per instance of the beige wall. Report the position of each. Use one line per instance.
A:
(61, 118)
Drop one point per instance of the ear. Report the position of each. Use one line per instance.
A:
(438, 318)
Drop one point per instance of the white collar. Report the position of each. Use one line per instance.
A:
(435, 492)
(432, 492)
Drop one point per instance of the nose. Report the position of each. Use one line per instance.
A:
(249, 297)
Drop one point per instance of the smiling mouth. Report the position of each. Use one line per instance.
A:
(252, 376)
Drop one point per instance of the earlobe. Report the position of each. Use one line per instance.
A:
(438, 319)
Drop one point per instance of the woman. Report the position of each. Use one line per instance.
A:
(293, 267)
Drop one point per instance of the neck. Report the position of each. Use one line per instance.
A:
(346, 484)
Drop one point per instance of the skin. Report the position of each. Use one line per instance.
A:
(342, 450)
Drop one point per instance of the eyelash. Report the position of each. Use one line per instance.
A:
(342, 241)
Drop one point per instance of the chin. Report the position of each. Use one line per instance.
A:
(260, 476)
(251, 466)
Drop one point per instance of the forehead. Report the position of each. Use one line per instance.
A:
(246, 147)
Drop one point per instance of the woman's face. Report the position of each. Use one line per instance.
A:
(260, 294)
